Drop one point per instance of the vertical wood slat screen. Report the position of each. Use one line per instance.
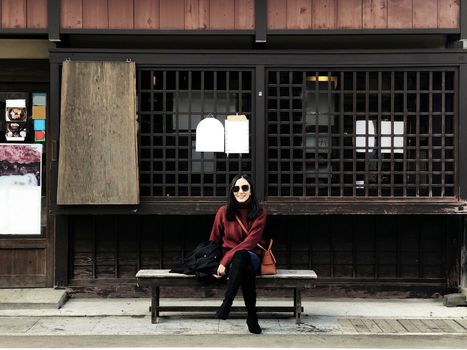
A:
(98, 149)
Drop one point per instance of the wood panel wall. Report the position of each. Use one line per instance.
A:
(363, 14)
(23, 14)
(157, 14)
(233, 14)
(23, 266)
(374, 248)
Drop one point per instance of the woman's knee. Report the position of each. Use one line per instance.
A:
(241, 255)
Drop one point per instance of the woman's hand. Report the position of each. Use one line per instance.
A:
(220, 271)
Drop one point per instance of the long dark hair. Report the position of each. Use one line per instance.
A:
(232, 204)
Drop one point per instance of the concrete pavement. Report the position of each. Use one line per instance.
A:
(414, 323)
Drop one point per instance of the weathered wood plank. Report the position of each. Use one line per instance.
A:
(277, 14)
(222, 14)
(448, 13)
(323, 14)
(288, 279)
(22, 243)
(375, 14)
(14, 14)
(400, 13)
(172, 14)
(298, 14)
(95, 14)
(204, 21)
(349, 14)
(121, 14)
(36, 14)
(147, 14)
(425, 13)
(23, 281)
(244, 14)
(98, 107)
(71, 14)
(18, 262)
(192, 16)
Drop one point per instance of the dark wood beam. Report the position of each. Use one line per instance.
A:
(462, 113)
(53, 15)
(260, 138)
(463, 24)
(60, 232)
(261, 21)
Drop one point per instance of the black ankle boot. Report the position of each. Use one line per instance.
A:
(224, 310)
(252, 323)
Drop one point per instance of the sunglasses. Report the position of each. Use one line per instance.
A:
(245, 188)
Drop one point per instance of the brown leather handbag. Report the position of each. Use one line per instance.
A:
(268, 261)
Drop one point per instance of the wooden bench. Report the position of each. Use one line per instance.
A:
(295, 280)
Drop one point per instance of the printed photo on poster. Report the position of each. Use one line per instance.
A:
(15, 132)
(15, 111)
(20, 188)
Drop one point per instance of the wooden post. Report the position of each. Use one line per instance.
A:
(155, 304)
(460, 298)
(298, 305)
(463, 282)
(463, 24)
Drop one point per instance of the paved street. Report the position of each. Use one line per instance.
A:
(327, 323)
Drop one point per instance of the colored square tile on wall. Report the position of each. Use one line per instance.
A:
(38, 112)
(39, 99)
(39, 124)
(39, 136)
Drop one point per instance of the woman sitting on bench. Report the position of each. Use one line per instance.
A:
(241, 255)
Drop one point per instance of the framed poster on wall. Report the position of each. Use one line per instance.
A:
(20, 189)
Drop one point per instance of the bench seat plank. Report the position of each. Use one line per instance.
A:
(281, 274)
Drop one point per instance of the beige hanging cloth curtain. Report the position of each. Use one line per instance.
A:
(98, 161)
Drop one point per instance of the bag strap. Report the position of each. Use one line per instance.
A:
(268, 250)
(241, 224)
(246, 232)
(269, 247)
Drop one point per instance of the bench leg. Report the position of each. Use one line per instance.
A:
(297, 303)
(155, 304)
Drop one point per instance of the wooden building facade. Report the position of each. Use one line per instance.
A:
(357, 130)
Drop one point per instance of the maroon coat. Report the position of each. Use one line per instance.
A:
(232, 238)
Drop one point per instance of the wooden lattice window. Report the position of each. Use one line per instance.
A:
(372, 133)
(171, 104)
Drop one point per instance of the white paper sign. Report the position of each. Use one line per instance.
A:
(209, 136)
(20, 189)
(361, 141)
(21, 103)
(398, 141)
(237, 135)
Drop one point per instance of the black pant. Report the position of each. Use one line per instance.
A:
(242, 273)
